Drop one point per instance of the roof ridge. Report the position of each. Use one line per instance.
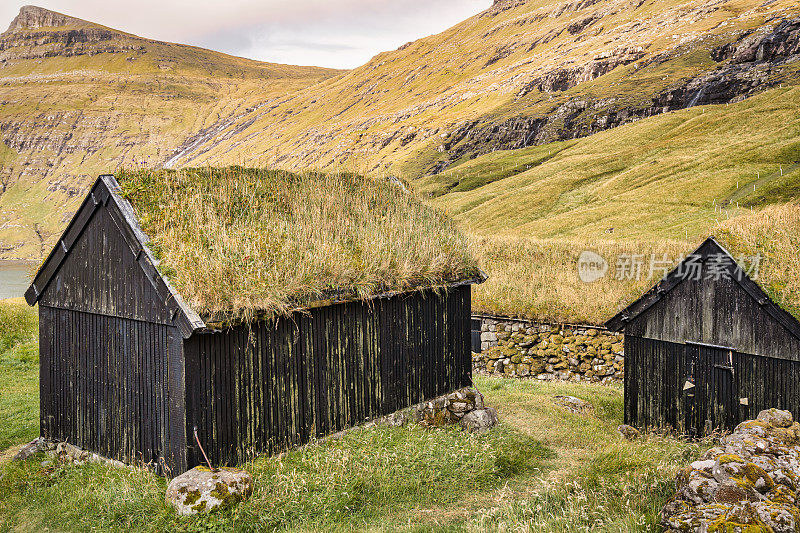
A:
(673, 279)
(106, 192)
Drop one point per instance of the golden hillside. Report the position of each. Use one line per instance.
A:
(78, 99)
(521, 73)
(483, 116)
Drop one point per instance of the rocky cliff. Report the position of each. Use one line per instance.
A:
(33, 17)
(752, 63)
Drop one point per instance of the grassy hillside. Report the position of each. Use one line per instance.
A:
(538, 278)
(547, 78)
(671, 176)
(79, 99)
(658, 186)
(543, 468)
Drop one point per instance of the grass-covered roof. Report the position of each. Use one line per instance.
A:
(537, 278)
(246, 241)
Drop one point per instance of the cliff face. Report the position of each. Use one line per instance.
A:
(32, 17)
(78, 99)
(744, 67)
(38, 33)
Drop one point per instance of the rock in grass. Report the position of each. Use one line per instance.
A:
(479, 420)
(629, 432)
(29, 449)
(573, 404)
(201, 490)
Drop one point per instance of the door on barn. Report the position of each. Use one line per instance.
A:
(718, 396)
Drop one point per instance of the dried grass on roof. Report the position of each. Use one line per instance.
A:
(251, 240)
(773, 235)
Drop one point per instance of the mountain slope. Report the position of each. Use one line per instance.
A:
(79, 99)
(670, 177)
(527, 78)
(521, 73)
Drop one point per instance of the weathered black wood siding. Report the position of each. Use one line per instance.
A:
(656, 372)
(101, 275)
(111, 362)
(103, 383)
(716, 312)
(709, 325)
(283, 382)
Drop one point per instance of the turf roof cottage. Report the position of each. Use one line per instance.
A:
(707, 348)
(136, 355)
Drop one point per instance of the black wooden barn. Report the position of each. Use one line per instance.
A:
(129, 370)
(707, 348)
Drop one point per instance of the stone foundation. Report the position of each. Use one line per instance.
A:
(517, 348)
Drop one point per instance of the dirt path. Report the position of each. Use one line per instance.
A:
(753, 186)
(9, 453)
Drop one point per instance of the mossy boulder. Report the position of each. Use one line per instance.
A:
(537, 367)
(747, 483)
(202, 490)
(775, 418)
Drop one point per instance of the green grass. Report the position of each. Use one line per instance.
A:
(362, 480)
(489, 168)
(543, 466)
(542, 469)
(657, 186)
(19, 373)
(665, 177)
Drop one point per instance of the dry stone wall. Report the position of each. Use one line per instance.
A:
(516, 348)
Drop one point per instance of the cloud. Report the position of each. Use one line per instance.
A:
(341, 33)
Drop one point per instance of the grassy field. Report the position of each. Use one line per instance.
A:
(19, 373)
(541, 469)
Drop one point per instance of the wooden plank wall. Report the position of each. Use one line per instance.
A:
(101, 275)
(655, 373)
(103, 383)
(278, 384)
(716, 311)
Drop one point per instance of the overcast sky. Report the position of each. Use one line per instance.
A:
(332, 33)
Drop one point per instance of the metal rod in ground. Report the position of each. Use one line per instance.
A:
(203, 451)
